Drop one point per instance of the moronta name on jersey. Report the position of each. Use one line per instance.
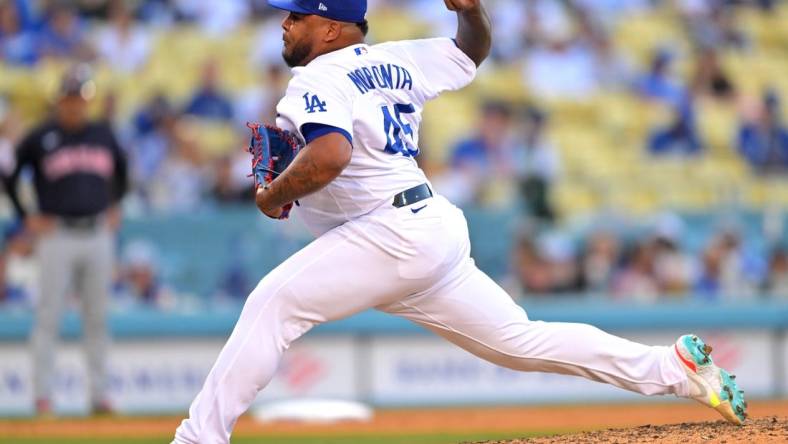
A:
(388, 76)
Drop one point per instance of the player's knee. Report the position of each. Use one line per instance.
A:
(269, 290)
(275, 304)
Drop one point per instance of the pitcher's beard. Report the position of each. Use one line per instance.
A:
(297, 55)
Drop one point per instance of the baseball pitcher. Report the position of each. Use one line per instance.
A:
(343, 150)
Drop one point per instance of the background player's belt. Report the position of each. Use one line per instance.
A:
(412, 195)
(81, 222)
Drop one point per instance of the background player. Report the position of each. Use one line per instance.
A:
(386, 242)
(79, 173)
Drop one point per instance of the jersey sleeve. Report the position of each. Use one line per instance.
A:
(444, 66)
(25, 156)
(120, 185)
(313, 100)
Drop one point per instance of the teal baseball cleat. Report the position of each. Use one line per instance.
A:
(709, 384)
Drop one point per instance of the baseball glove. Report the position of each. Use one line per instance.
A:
(272, 149)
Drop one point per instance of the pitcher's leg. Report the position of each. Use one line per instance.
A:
(473, 312)
(55, 269)
(318, 284)
(96, 281)
(246, 363)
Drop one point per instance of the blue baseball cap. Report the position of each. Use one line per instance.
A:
(352, 11)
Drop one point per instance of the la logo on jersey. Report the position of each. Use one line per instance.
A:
(314, 104)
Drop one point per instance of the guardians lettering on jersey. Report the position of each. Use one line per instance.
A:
(387, 76)
(79, 159)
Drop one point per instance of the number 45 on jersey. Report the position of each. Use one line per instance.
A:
(399, 135)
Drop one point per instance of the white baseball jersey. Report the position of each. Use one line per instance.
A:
(376, 94)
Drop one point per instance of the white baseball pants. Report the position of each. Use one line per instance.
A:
(415, 265)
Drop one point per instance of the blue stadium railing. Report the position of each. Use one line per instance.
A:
(142, 323)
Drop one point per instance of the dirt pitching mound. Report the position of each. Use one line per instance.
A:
(755, 431)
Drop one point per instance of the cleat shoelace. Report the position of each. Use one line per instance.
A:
(705, 350)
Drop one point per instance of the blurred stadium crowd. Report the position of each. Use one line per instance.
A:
(590, 113)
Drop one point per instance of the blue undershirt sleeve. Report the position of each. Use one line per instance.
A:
(312, 131)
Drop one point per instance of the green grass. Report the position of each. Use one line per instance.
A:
(346, 439)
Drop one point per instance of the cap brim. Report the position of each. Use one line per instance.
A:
(289, 5)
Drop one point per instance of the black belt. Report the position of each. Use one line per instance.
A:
(412, 195)
(82, 223)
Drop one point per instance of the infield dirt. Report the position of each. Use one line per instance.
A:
(757, 431)
(767, 423)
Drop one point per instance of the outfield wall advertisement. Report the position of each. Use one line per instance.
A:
(418, 371)
(148, 376)
(165, 375)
